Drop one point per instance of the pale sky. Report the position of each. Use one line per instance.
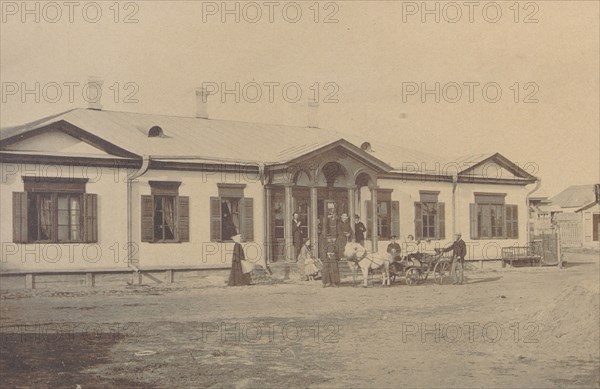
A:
(366, 57)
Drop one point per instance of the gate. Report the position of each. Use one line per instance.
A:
(548, 246)
(571, 229)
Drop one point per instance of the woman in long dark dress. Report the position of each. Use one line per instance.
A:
(237, 276)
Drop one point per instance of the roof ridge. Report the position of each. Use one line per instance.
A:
(34, 123)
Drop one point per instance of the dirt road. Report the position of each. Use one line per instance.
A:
(535, 327)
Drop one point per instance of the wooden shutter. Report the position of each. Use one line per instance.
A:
(369, 212)
(90, 218)
(512, 221)
(183, 218)
(418, 221)
(473, 219)
(147, 212)
(19, 217)
(395, 218)
(248, 219)
(215, 219)
(441, 219)
(515, 221)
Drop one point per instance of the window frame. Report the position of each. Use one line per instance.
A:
(492, 213)
(392, 215)
(240, 216)
(428, 224)
(175, 218)
(162, 190)
(232, 192)
(38, 187)
(54, 211)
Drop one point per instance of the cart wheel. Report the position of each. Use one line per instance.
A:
(412, 276)
(441, 271)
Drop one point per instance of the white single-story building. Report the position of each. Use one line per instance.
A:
(88, 195)
(576, 210)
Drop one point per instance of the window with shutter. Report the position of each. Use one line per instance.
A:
(430, 218)
(384, 213)
(441, 219)
(231, 213)
(147, 212)
(492, 219)
(55, 210)
(165, 214)
(388, 215)
(248, 220)
(418, 221)
(20, 217)
(512, 221)
(90, 217)
(215, 219)
(183, 218)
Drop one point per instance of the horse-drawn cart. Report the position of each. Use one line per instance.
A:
(415, 267)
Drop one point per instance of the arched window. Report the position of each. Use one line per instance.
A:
(155, 132)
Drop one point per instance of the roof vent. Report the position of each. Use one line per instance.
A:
(366, 146)
(155, 132)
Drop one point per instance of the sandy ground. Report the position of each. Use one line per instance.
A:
(533, 327)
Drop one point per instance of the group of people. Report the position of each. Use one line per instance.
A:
(332, 242)
(333, 236)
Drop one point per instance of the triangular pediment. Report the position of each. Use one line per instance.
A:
(338, 150)
(496, 167)
(63, 139)
(56, 142)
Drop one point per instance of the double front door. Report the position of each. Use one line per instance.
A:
(329, 200)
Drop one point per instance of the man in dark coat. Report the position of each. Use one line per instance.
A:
(330, 271)
(459, 250)
(393, 249)
(297, 240)
(359, 231)
(237, 276)
(344, 234)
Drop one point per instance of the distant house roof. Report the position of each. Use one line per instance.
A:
(539, 194)
(174, 138)
(575, 196)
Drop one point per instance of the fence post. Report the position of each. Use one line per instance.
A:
(558, 248)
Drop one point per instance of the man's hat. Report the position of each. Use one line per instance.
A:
(356, 217)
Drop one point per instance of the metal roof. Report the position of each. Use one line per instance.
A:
(210, 139)
(574, 196)
(195, 140)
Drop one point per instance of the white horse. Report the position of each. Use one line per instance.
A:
(358, 256)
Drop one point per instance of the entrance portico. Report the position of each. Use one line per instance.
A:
(334, 180)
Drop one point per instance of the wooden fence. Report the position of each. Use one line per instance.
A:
(571, 229)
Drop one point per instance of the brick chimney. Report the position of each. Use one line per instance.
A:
(201, 103)
(93, 93)
(313, 114)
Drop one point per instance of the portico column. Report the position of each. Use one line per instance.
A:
(351, 205)
(268, 229)
(314, 232)
(374, 237)
(287, 227)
